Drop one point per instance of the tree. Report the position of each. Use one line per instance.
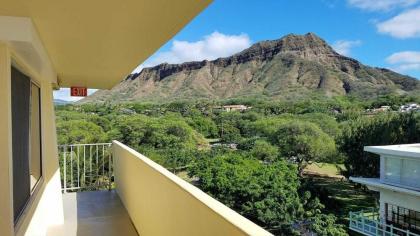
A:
(325, 225)
(327, 123)
(303, 142)
(384, 129)
(265, 151)
(266, 194)
(203, 125)
(79, 131)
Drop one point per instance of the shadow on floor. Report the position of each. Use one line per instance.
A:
(95, 213)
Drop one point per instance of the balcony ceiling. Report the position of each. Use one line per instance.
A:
(96, 43)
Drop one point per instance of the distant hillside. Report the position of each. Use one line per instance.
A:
(295, 65)
(61, 102)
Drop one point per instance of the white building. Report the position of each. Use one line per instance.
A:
(410, 107)
(399, 188)
(235, 108)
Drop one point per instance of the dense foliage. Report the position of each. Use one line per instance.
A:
(253, 161)
(371, 131)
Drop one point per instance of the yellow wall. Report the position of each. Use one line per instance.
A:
(45, 207)
(160, 203)
(6, 212)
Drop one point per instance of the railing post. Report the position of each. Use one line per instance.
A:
(64, 170)
(408, 232)
(85, 170)
(363, 221)
(84, 167)
(109, 167)
(78, 167)
(71, 167)
(391, 229)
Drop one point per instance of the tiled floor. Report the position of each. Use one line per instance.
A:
(94, 213)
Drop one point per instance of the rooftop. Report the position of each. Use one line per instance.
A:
(407, 150)
(376, 183)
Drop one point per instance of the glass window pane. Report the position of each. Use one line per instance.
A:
(21, 88)
(393, 170)
(411, 174)
(35, 157)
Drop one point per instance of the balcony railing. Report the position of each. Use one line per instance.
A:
(369, 222)
(156, 201)
(85, 166)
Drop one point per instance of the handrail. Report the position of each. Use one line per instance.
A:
(161, 203)
(85, 166)
(369, 222)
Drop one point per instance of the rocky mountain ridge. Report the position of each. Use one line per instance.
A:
(295, 65)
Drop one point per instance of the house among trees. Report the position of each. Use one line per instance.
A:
(399, 188)
(410, 107)
(229, 108)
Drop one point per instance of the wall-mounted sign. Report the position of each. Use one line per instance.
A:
(78, 91)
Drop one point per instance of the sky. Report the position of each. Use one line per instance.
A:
(379, 33)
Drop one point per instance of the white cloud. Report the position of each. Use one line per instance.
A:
(210, 47)
(64, 94)
(405, 61)
(344, 46)
(404, 57)
(404, 25)
(381, 5)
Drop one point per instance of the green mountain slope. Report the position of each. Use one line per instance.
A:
(295, 65)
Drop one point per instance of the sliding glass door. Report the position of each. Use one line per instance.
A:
(26, 139)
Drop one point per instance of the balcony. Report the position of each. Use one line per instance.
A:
(110, 189)
(370, 223)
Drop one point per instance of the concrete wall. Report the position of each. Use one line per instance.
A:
(399, 199)
(44, 208)
(160, 203)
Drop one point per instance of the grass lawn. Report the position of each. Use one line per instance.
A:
(341, 196)
(325, 169)
(213, 140)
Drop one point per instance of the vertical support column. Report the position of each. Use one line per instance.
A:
(6, 174)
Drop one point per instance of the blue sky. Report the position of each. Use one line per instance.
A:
(382, 33)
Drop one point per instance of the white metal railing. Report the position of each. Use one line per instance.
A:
(85, 166)
(369, 222)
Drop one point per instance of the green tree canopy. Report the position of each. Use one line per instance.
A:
(79, 131)
(266, 194)
(303, 142)
(383, 129)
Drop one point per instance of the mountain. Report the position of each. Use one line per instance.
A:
(61, 102)
(295, 65)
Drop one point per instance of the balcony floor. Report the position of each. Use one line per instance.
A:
(94, 213)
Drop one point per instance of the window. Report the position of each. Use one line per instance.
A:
(402, 217)
(402, 171)
(393, 169)
(410, 175)
(26, 139)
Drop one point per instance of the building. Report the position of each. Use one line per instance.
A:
(229, 108)
(412, 107)
(399, 188)
(378, 110)
(49, 44)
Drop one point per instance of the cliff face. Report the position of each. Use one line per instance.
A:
(295, 65)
